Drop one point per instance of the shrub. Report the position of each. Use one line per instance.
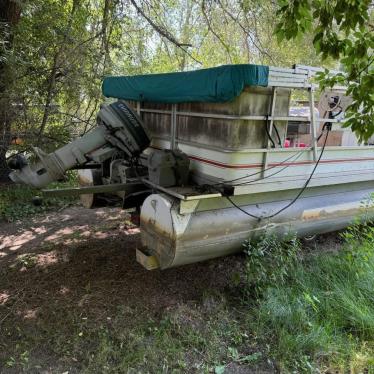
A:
(270, 261)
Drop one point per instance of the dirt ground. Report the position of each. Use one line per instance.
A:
(81, 262)
(64, 251)
(74, 271)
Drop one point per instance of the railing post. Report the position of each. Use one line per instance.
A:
(271, 125)
(313, 123)
(173, 129)
(272, 112)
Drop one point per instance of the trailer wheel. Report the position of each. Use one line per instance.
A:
(89, 177)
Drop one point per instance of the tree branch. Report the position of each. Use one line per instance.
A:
(163, 32)
(246, 32)
(213, 32)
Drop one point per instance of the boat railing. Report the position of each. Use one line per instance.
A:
(297, 78)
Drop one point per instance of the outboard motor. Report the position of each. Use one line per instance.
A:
(119, 130)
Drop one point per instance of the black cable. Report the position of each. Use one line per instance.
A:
(299, 193)
(307, 182)
(326, 124)
(277, 132)
(269, 136)
(244, 211)
(329, 124)
(298, 154)
(267, 176)
(237, 206)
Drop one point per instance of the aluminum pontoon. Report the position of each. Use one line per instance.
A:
(206, 158)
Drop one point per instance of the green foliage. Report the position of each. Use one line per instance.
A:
(322, 318)
(270, 261)
(61, 51)
(342, 30)
(16, 201)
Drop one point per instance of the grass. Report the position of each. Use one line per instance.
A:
(16, 201)
(185, 340)
(322, 318)
(172, 344)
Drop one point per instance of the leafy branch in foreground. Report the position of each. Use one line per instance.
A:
(342, 29)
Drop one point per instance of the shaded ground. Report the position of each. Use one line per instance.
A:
(67, 252)
(73, 299)
(74, 271)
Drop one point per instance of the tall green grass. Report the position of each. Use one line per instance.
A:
(321, 318)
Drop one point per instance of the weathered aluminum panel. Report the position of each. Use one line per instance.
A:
(224, 133)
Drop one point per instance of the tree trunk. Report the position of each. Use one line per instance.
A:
(50, 93)
(9, 16)
(51, 80)
(5, 138)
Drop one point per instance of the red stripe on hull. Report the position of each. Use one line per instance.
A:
(273, 164)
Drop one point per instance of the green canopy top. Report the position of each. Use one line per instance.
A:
(219, 84)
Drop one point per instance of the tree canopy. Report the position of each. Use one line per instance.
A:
(55, 53)
(344, 31)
